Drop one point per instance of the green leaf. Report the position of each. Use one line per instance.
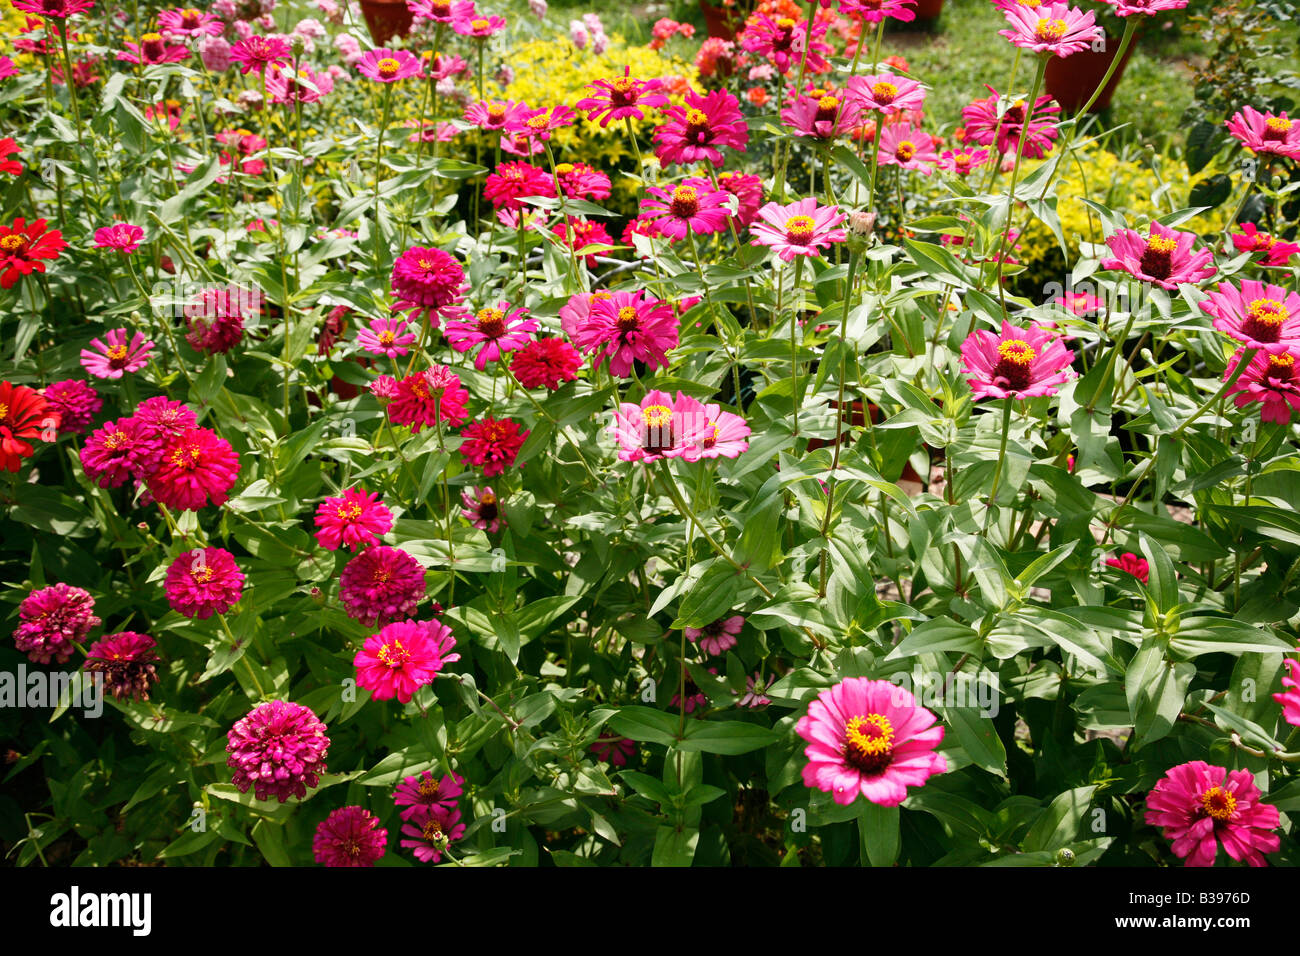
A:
(1060, 822)
(726, 737)
(878, 833)
(675, 847)
(939, 634)
(645, 723)
(1155, 689)
(711, 597)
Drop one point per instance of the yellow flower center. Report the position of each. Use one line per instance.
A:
(117, 353)
(657, 416)
(905, 150)
(4, 411)
(627, 319)
(350, 511)
(697, 119)
(1050, 30)
(202, 575)
(385, 338)
(564, 168)
(1281, 366)
(785, 23)
(388, 66)
(151, 38)
(478, 26)
(799, 229)
(1268, 312)
(868, 742)
(491, 322)
(429, 788)
(115, 441)
(393, 654)
(686, 202)
(1162, 243)
(1219, 803)
(884, 91)
(1016, 351)
(828, 104)
(11, 243)
(539, 122)
(1278, 124)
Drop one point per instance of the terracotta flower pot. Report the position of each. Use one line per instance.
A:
(928, 9)
(386, 19)
(717, 20)
(1071, 81)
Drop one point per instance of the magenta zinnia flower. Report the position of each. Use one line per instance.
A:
(498, 330)
(1164, 256)
(492, 444)
(1053, 28)
(545, 363)
(51, 619)
(119, 450)
(381, 584)
(191, 23)
(215, 318)
(53, 9)
(869, 737)
(985, 127)
(620, 98)
(386, 337)
(198, 466)
(783, 42)
(1198, 806)
(427, 281)
(122, 236)
(1265, 132)
(905, 145)
(694, 206)
(623, 327)
(716, 638)
(350, 836)
(798, 229)
(477, 26)
(76, 402)
(428, 397)
(112, 357)
(432, 832)
(1290, 697)
(695, 131)
(388, 66)
(162, 418)
(204, 582)
(278, 749)
(726, 436)
(1259, 316)
(482, 510)
(1146, 8)
(152, 49)
(613, 749)
(822, 115)
(127, 661)
(1130, 563)
(403, 657)
(513, 182)
(494, 115)
(1269, 379)
(1276, 252)
(258, 52)
(417, 796)
(886, 93)
(580, 181)
(541, 123)
(873, 11)
(355, 520)
(962, 163)
(1017, 363)
(659, 427)
(442, 11)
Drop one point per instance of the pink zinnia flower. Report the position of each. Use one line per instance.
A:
(76, 403)
(386, 337)
(278, 749)
(784, 40)
(873, 11)
(1276, 252)
(215, 319)
(621, 98)
(1130, 563)
(350, 836)
(403, 657)
(748, 190)
(1290, 697)
(258, 52)
(122, 236)
(659, 427)
(498, 330)
(580, 181)
(624, 328)
(726, 436)
(429, 397)
(482, 510)
(1082, 304)
(441, 11)
(51, 620)
(1259, 316)
(164, 419)
(694, 206)
(1198, 806)
(1017, 363)
(113, 356)
(198, 466)
(191, 23)
(1269, 379)
(416, 796)
(822, 115)
(492, 444)
(546, 363)
(754, 695)
(204, 582)
(1053, 28)
(1146, 8)
(985, 127)
(285, 86)
(886, 93)
(53, 9)
(381, 584)
(493, 115)
(798, 229)
(119, 450)
(1164, 256)
(578, 233)
(388, 66)
(127, 661)
(1265, 132)
(718, 637)
(541, 123)
(354, 520)
(152, 49)
(427, 281)
(695, 131)
(515, 181)
(964, 161)
(869, 737)
(477, 26)
(432, 832)
(902, 144)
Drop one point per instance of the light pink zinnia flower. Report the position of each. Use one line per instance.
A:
(783, 41)
(122, 236)
(659, 427)
(494, 115)
(204, 582)
(798, 229)
(1265, 132)
(1198, 806)
(727, 436)
(441, 11)
(822, 115)
(278, 749)
(1017, 363)
(388, 66)
(718, 637)
(386, 337)
(886, 93)
(964, 161)
(905, 145)
(1259, 316)
(112, 357)
(403, 657)
(477, 26)
(1164, 256)
(694, 206)
(500, 329)
(1054, 28)
(620, 98)
(482, 510)
(355, 520)
(873, 11)
(1270, 379)
(625, 327)
(985, 127)
(381, 584)
(869, 737)
(350, 836)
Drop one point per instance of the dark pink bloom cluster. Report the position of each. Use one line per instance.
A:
(430, 809)
(76, 402)
(427, 398)
(381, 584)
(278, 749)
(204, 582)
(128, 663)
(1198, 807)
(350, 836)
(697, 130)
(354, 520)
(403, 657)
(428, 282)
(623, 327)
(492, 444)
(51, 619)
(985, 127)
(215, 318)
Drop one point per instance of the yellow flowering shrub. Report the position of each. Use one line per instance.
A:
(1126, 186)
(12, 23)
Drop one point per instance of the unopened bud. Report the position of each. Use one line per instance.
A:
(861, 225)
(1065, 856)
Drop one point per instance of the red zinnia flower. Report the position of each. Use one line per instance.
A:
(9, 147)
(23, 245)
(1130, 563)
(24, 414)
(492, 443)
(428, 397)
(198, 466)
(546, 363)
